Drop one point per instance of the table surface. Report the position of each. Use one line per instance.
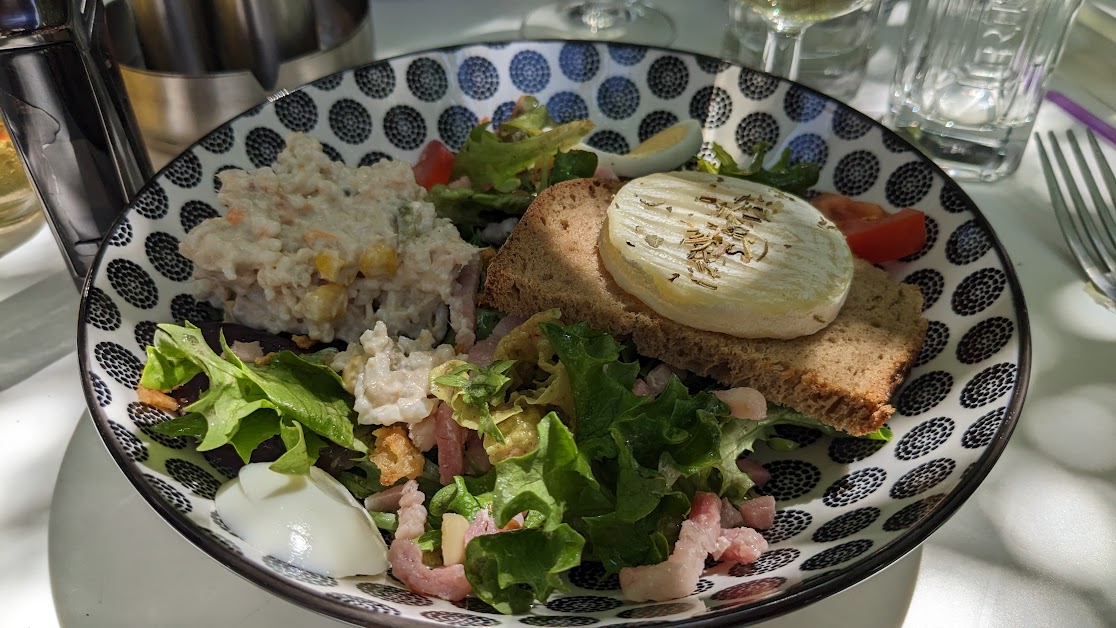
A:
(1035, 545)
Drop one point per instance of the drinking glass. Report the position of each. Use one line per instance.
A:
(787, 21)
(971, 77)
(20, 212)
(834, 53)
(608, 20)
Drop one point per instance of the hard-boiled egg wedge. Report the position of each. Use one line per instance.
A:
(665, 150)
(726, 255)
(310, 521)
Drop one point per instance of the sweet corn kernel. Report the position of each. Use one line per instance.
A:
(328, 265)
(325, 303)
(378, 260)
(353, 368)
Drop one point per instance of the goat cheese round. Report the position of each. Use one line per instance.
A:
(726, 255)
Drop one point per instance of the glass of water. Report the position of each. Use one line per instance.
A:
(971, 77)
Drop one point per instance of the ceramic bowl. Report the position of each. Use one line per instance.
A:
(846, 507)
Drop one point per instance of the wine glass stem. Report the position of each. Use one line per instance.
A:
(782, 50)
(598, 15)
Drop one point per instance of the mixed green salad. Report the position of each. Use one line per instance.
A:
(594, 471)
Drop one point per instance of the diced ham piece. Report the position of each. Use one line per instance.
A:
(481, 353)
(743, 403)
(450, 438)
(740, 545)
(447, 583)
(701, 536)
(386, 500)
(483, 524)
(759, 513)
(678, 575)
(463, 306)
(754, 470)
(412, 514)
(405, 556)
(730, 516)
(655, 381)
(659, 375)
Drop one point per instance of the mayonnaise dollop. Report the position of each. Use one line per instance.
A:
(726, 255)
(310, 521)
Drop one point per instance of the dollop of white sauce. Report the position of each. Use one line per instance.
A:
(310, 521)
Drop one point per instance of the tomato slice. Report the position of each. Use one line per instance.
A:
(434, 165)
(873, 234)
(887, 239)
(842, 209)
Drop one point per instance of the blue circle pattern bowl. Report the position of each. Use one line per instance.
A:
(847, 507)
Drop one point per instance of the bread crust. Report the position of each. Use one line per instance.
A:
(843, 375)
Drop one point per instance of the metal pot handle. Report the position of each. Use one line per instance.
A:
(63, 101)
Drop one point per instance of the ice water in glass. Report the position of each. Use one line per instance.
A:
(971, 76)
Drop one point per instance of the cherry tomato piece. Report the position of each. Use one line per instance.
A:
(434, 165)
(887, 239)
(873, 234)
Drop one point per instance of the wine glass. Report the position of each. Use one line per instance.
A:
(786, 21)
(630, 20)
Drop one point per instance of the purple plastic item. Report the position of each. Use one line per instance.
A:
(1083, 115)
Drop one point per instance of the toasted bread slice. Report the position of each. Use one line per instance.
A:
(842, 375)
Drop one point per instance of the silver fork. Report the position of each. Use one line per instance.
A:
(1090, 232)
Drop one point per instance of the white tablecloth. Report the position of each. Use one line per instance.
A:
(1034, 546)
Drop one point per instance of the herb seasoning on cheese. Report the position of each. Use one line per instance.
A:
(726, 255)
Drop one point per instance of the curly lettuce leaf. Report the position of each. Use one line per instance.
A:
(472, 391)
(553, 479)
(512, 569)
(385, 520)
(573, 164)
(556, 486)
(282, 397)
(467, 207)
(253, 431)
(520, 432)
(674, 429)
(539, 378)
(600, 382)
(644, 524)
(530, 118)
(783, 175)
(362, 480)
(466, 496)
(490, 162)
(487, 320)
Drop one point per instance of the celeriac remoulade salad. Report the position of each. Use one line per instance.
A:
(382, 417)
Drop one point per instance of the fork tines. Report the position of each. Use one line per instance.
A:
(1089, 229)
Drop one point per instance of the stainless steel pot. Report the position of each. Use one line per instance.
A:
(177, 103)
